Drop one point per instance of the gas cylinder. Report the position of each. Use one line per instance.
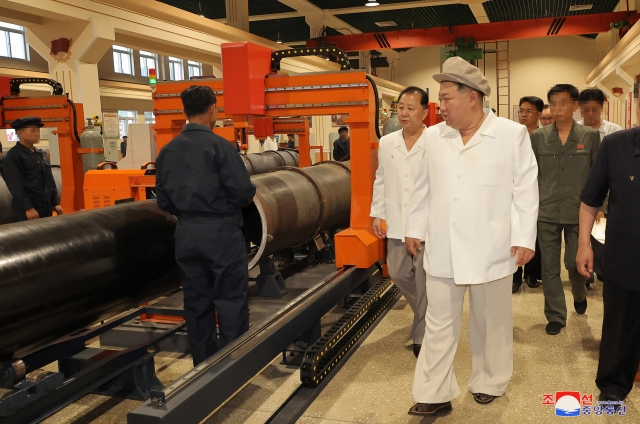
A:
(392, 124)
(91, 139)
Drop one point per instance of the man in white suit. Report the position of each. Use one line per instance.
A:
(476, 205)
(399, 157)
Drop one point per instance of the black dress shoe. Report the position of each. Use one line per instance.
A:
(515, 286)
(429, 409)
(581, 307)
(600, 277)
(532, 282)
(416, 349)
(554, 328)
(589, 282)
(482, 398)
(604, 397)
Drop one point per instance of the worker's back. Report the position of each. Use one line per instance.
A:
(200, 174)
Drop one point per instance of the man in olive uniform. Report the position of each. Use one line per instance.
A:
(565, 152)
(201, 178)
(27, 172)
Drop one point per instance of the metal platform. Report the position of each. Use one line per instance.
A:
(196, 394)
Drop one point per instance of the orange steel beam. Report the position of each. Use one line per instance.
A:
(56, 111)
(494, 31)
(300, 126)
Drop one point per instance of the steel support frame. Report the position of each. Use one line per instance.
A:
(233, 367)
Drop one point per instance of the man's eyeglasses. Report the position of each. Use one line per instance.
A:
(545, 119)
(525, 111)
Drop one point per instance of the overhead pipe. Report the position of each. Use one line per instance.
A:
(59, 275)
(293, 205)
(260, 163)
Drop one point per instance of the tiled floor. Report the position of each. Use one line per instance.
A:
(374, 386)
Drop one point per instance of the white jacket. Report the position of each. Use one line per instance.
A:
(473, 203)
(606, 127)
(269, 144)
(395, 181)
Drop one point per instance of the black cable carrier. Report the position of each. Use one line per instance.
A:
(335, 52)
(15, 84)
(324, 354)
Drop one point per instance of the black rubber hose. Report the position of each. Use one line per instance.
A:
(75, 119)
(375, 91)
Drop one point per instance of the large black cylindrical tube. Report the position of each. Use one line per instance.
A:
(260, 163)
(61, 274)
(5, 196)
(292, 205)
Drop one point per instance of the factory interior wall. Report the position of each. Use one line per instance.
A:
(536, 65)
(35, 63)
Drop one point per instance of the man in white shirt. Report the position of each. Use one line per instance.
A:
(399, 157)
(268, 144)
(476, 205)
(591, 104)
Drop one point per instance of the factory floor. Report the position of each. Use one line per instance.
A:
(374, 386)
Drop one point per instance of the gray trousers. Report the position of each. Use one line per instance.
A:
(408, 275)
(550, 239)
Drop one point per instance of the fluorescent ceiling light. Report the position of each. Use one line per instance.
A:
(386, 24)
(577, 7)
(372, 3)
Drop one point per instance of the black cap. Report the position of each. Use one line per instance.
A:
(27, 121)
(343, 128)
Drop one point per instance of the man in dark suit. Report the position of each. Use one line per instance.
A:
(341, 146)
(617, 171)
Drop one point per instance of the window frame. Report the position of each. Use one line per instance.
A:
(191, 65)
(179, 65)
(124, 121)
(145, 56)
(8, 29)
(119, 52)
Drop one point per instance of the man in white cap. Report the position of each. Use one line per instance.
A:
(476, 206)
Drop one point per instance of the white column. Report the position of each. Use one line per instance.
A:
(78, 73)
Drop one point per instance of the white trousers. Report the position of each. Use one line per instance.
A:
(490, 332)
(408, 275)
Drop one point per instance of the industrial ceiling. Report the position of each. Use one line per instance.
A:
(273, 19)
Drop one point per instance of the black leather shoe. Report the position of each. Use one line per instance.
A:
(554, 328)
(600, 277)
(416, 349)
(604, 397)
(589, 282)
(532, 282)
(429, 409)
(515, 286)
(581, 307)
(482, 398)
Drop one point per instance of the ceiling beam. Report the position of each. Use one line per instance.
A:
(480, 14)
(511, 30)
(319, 17)
(392, 6)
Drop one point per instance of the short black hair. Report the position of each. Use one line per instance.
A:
(342, 128)
(197, 99)
(124, 136)
(290, 135)
(535, 101)
(564, 88)
(592, 94)
(462, 87)
(546, 106)
(424, 97)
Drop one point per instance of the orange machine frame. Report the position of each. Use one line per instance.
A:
(287, 97)
(56, 111)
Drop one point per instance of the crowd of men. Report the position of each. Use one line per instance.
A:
(482, 202)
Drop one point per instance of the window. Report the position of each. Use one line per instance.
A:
(148, 61)
(13, 43)
(126, 118)
(195, 69)
(176, 69)
(123, 60)
(149, 118)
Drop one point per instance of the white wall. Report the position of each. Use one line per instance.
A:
(536, 65)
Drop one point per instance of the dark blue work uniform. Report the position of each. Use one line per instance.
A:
(201, 179)
(30, 182)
